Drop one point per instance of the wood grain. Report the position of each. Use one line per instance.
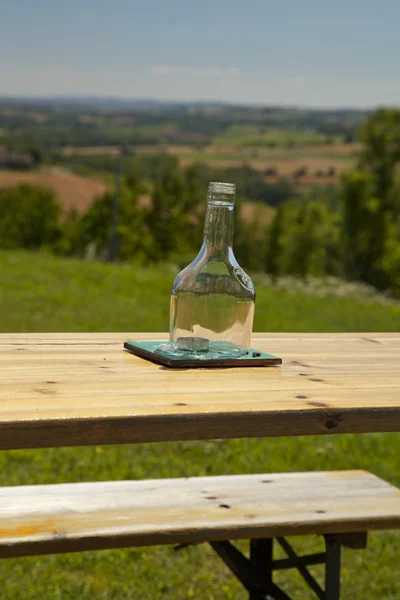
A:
(85, 516)
(80, 389)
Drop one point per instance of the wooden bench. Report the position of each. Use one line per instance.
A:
(45, 519)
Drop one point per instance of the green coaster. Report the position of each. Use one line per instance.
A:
(147, 350)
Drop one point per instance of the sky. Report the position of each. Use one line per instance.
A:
(311, 53)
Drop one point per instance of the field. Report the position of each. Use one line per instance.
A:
(303, 165)
(73, 191)
(43, 293)
(306, 147)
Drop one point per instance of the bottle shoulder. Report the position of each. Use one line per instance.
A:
(214, 274)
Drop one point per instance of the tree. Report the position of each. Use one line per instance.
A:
(29, 217)
(275, 242)
(173, 218)
(134, 239)
(370, 200)
(249, 239)
(380, 136)
(303, 239)
(37, 155)
(363, 235)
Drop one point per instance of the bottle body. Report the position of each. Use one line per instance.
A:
(224, 312)
(212, 298)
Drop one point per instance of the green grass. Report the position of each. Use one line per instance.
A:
(43, 293)
(39, 292)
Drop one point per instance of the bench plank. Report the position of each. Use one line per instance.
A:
(87, 516)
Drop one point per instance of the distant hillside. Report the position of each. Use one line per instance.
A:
(73, 191)
(79, 192)
(106, 102)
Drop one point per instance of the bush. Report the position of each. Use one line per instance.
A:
(29, 217)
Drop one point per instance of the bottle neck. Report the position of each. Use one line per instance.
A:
(218, 227)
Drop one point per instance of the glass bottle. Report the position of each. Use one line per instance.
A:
(212, 301)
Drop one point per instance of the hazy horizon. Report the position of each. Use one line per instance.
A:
(104, 98)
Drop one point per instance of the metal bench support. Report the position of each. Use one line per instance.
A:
(332, 569)
(255, 573)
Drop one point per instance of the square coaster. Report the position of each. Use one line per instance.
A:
(253, 358)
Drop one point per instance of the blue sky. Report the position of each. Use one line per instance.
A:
(310, 53)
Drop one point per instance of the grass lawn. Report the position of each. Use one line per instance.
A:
(39, 292)
(42, 293)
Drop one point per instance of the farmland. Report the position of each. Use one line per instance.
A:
(303, 166)
(72, 149)
(72, 190)
(315, 176)
(304, 146)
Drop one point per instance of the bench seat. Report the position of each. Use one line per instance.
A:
(43, 519)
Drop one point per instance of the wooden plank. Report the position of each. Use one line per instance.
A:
(111, 337)
(82, 516)
(72, 389)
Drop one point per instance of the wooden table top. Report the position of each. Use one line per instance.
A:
(82, 389)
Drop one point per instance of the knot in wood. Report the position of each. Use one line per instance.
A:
(331, 423)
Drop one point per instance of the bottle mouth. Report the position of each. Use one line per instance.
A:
(221, 192)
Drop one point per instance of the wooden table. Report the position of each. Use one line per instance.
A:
(81, 389)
